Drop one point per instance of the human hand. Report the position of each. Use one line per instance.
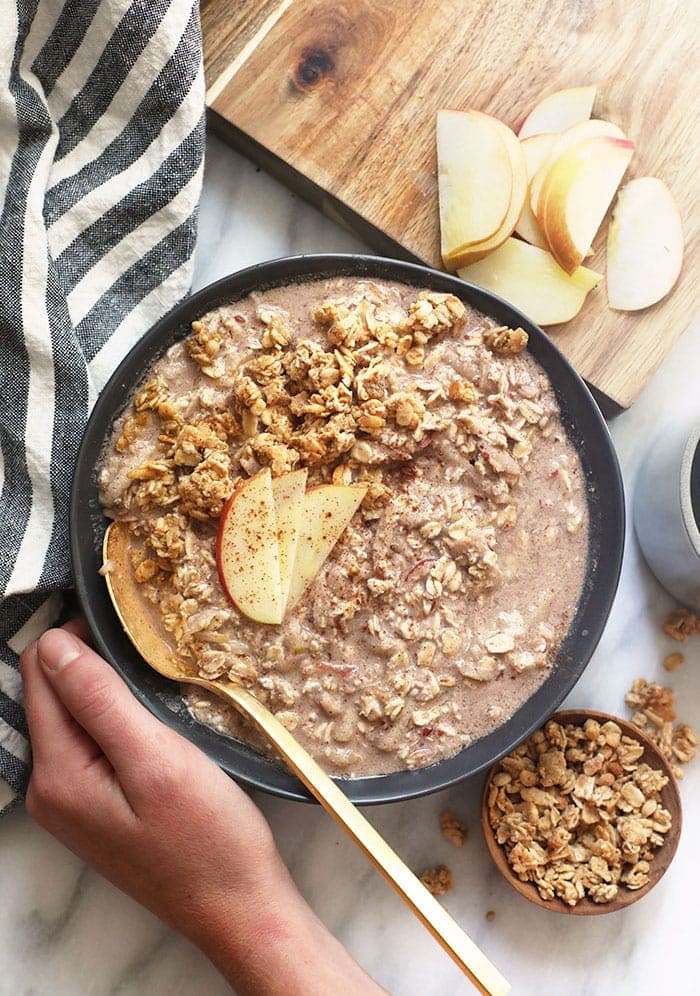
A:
(162, 822)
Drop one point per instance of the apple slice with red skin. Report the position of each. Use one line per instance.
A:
(578, 190)
(474, 180)
(645, 245)
(325, 514)
(559, 111)
(288, 493)
(247, 550)
(595, 128)
(472, 253)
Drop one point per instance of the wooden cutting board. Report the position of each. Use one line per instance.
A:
(338, 99)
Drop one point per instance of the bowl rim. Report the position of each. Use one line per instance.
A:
(528, 890)
(585, 427)
(690, 455)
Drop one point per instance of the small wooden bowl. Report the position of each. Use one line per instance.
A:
(670, 799)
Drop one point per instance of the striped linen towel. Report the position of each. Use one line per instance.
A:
(101, 154)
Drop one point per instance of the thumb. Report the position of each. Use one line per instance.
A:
(96, 697)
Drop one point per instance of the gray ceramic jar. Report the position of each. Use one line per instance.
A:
(667, 511)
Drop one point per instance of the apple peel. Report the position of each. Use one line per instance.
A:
(595, 128)
(247, 550)
(579, 189)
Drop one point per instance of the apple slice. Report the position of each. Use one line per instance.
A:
(578, 190)
(469, 254)
(530, 279)
(326, 512)
(645, 245)
(288, 497)
(474, 180)
(595, 128)
(536, 150)
(559, 111)
(247, 552)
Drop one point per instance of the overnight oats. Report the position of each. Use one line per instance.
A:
(441, 607)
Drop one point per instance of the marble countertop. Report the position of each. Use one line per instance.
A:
(67, 932)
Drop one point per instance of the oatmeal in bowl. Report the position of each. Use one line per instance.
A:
(443, 611)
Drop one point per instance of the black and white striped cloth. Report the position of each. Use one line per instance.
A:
(101, 153)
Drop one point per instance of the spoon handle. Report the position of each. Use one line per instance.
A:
(444, 929)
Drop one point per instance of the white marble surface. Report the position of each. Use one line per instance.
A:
(66, 932)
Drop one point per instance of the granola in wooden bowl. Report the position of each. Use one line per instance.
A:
(585, 816)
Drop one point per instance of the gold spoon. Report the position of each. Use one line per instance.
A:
(151, 645)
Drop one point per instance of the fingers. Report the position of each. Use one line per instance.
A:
(58, 743)
(71, 779)
(97, 699)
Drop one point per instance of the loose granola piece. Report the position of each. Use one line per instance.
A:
(673, 661)
(655, 700)
(437, 880)
(680, 624)
(453, 829)
(505, 341)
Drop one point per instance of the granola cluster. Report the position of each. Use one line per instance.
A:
(654, 715)
(577, 812)
(437, 880)
(453, 829)
(680, 624)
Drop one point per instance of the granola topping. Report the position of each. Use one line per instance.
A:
(420, 633)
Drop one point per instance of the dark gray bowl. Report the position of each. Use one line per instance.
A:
(585, 428)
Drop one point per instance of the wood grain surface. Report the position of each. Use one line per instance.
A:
(339, 99)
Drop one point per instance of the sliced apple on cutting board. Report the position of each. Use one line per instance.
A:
(478, 250)
(288, 493)
(595, 128)
(247, 550)
(645, 245)
(530, 279)
(559, 111)
(325, 514)
(475, 180)
(536, 150)
(577, 192)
